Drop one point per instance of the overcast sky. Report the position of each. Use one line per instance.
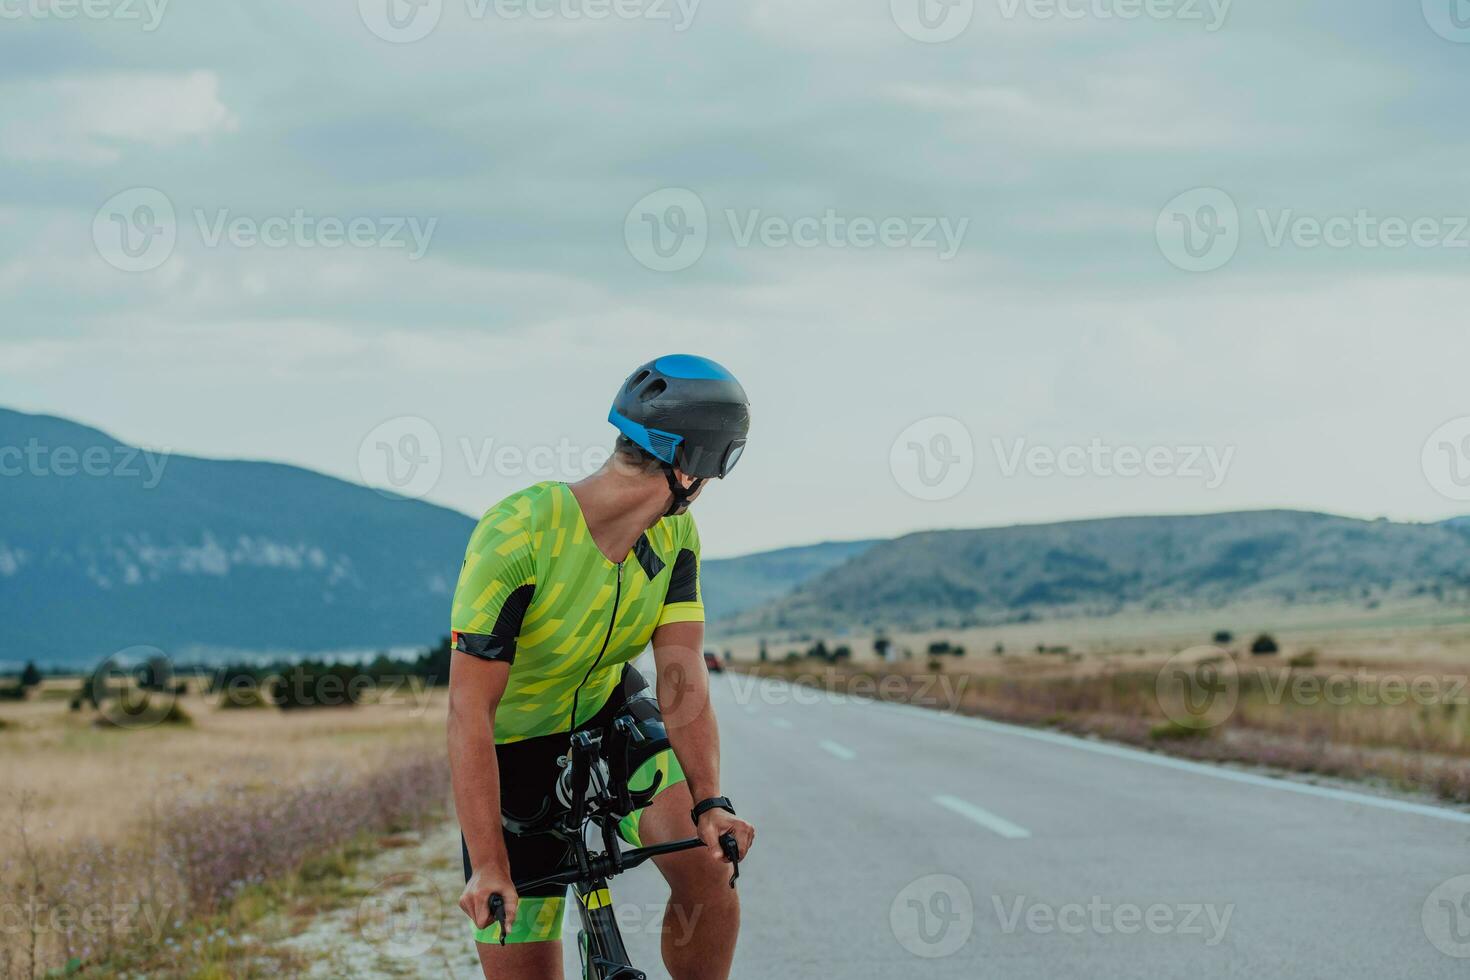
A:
(989, 263)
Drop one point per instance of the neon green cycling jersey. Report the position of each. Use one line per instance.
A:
(535, 592)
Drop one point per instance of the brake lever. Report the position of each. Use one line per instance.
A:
(497, 912)
(732, 851)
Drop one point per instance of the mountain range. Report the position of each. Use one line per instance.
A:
(105, 547)
(1100, 567)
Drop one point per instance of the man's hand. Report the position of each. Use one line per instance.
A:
(713, 824)
(475, 899)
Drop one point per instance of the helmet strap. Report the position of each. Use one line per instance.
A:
(681, 493)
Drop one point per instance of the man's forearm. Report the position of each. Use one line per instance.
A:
(693, 731)
(475, 776)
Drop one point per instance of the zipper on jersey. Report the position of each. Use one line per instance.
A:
(607, 638)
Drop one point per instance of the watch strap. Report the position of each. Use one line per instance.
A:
(713, 803)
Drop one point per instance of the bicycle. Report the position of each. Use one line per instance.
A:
(595, 785)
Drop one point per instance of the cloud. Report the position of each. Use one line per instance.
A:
(93, 119)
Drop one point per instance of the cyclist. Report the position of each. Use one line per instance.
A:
(562, 585)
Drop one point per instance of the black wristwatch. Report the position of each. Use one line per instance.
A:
(713, 803)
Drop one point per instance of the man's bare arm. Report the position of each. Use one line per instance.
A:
(683, 696)
(475, 689)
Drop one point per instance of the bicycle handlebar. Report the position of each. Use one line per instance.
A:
(601, 866)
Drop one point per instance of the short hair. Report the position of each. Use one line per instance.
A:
(634, 454)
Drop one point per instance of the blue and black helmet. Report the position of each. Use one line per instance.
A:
(685, 411)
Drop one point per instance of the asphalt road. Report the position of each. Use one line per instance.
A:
(898, 842)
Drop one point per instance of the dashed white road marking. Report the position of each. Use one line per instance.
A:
(983, 817)
(841, 751)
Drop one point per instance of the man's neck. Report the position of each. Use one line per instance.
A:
(618, 509)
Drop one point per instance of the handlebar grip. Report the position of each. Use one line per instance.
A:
(732, 852)
(497, 912)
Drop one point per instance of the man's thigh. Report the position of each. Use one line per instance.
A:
(521, 961)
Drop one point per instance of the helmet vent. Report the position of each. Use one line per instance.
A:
(637, 380)
(663, 444)
(655, 388)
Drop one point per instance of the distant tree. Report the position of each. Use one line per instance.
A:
(841, 653)
(1265, 645)
(433, 664)
(881, 646)
(818, 651)
(156, 674)
(314, 684)
(1222, 637)
(31, 676)
(1000, 649)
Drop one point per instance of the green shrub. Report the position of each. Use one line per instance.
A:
(242, 697)
(1265, 645)
(1307, 659)
(135, 710)
(1172, 731)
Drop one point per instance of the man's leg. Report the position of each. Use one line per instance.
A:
(520, 961)
(703, 917)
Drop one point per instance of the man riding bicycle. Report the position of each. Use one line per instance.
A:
(561, 587)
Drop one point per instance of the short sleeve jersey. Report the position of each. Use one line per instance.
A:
(536, 592)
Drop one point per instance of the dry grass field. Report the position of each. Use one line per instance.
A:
(100, 782)
(126, 842)
(1378, 694)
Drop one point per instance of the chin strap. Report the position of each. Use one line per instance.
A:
(681, 493)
